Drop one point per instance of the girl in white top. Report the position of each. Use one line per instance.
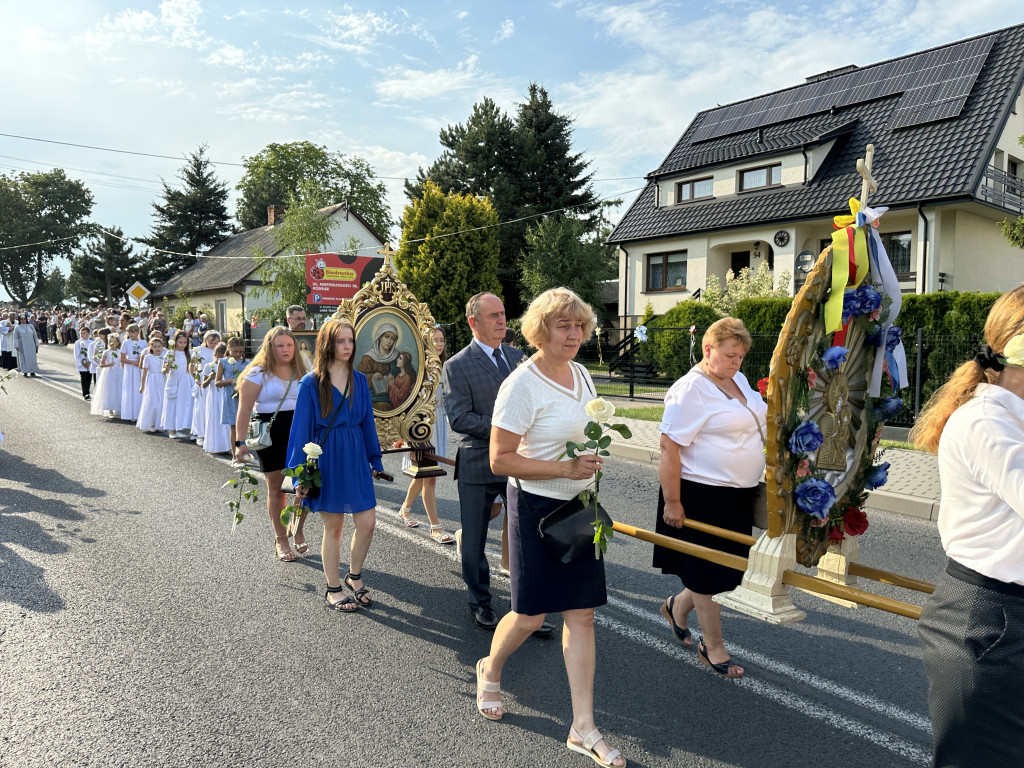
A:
(217, 435)
(152, 385)
(271, 383)
(198, 360)
(109, 383)
(972, 626)
(96, 347)
(132, 350)
(540, 407)
(177, 411)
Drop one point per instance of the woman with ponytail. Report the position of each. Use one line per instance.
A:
(972, 627)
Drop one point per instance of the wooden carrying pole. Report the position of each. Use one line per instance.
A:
(792, 578)
(856, 569)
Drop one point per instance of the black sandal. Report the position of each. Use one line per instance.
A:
(361, 595)
(721, 668)
(340, 605)
(681, 635)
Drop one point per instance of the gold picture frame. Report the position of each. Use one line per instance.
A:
(403, 398)
(306, 343)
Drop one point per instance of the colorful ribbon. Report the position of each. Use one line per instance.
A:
(850, 262)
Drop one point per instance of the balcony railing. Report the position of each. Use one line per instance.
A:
(1002, 189)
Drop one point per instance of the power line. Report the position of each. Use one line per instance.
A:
(215, 162)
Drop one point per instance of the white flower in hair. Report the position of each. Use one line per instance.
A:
(1014, 351)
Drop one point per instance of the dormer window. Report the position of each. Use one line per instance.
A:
(760, 178)
(694, 189)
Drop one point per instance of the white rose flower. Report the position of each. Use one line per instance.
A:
(600, 409)
(1014, 351)
(312, 450)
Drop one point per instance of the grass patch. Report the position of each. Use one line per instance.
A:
(899, 444)
(648, 413)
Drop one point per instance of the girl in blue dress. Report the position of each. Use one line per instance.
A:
(350, 458)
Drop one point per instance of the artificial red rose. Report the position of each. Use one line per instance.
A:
(762, 387)
(835, 534)
(812, 378)
(855, 521)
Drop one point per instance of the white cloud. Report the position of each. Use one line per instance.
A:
(412, 84)
(291, 104)
(507, 29)
(355, 32)
(165, 87)
(176, 24)
(226, 56)
(460, 15)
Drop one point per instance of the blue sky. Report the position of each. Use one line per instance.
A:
(380, 79)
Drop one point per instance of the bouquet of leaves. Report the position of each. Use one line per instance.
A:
(243, 483)
(307, 476)
(169, 361)
(97, 356)
(197, 367)
(600, 412)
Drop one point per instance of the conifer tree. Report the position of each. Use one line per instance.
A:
(189, 219)
(106, 269)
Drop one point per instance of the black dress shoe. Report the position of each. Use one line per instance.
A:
(544, 630)
(485, 616)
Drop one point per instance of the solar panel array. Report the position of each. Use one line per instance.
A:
(935, 85)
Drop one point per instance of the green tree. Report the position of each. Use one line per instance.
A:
(45, 213)
(189, 219)
(524, 165)
(276, 175)
(444, 271)
(106, 270)
(54, 288)
(1013, 229)
(304, 229)
(565, 252)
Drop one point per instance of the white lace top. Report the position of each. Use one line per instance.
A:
(547, 415)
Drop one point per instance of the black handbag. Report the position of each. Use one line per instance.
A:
(568, 530)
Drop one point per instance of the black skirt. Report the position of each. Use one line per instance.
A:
(274, 457)
(729, 508)
(540, 582)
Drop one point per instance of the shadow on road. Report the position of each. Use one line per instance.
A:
(23, 582)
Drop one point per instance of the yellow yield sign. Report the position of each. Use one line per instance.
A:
(139, 292)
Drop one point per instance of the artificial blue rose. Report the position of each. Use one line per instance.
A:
(640, 332)
(877, 477)
(806, 438)
(867, 300)
(893, 338)
(849, 305)
(874, 334)
(888, 406)
(833, 357)
(815, 497)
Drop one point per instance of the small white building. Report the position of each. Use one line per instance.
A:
(224, 277)
(761, 179)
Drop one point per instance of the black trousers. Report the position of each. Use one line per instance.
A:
(86, 378)
(972, 637)
(475, 502)
(7, 361)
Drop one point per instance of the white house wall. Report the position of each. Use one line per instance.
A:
(980, 259)
(1009, 142)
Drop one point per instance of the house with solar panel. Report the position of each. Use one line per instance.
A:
(760, 180)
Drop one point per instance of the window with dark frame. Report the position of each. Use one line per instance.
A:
(695, 189)
(666, 271)
(899, 246)
(760, 178)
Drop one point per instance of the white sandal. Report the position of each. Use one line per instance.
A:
(444, 538)
(588, 748)
(409, 522)
(484, 687)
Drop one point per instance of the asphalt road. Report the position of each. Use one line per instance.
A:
(137, 630)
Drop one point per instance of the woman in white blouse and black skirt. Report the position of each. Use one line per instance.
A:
(540, 407)
(972, 627)
(269, 385)
(712, 458)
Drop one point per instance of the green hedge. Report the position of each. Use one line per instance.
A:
(669, 350)
(764, 315)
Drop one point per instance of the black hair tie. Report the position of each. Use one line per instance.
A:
(987, 358)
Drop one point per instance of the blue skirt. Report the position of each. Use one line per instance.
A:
(540, 582)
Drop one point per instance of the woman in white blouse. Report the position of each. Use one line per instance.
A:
(712, 458)
(972, 627)
(269, 386)
(540, 407)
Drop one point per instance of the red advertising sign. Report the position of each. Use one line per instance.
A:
(331, 277)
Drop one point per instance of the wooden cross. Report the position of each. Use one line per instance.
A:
(387, 252)
(869, 185)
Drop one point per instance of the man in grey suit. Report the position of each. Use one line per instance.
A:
(471, 381)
